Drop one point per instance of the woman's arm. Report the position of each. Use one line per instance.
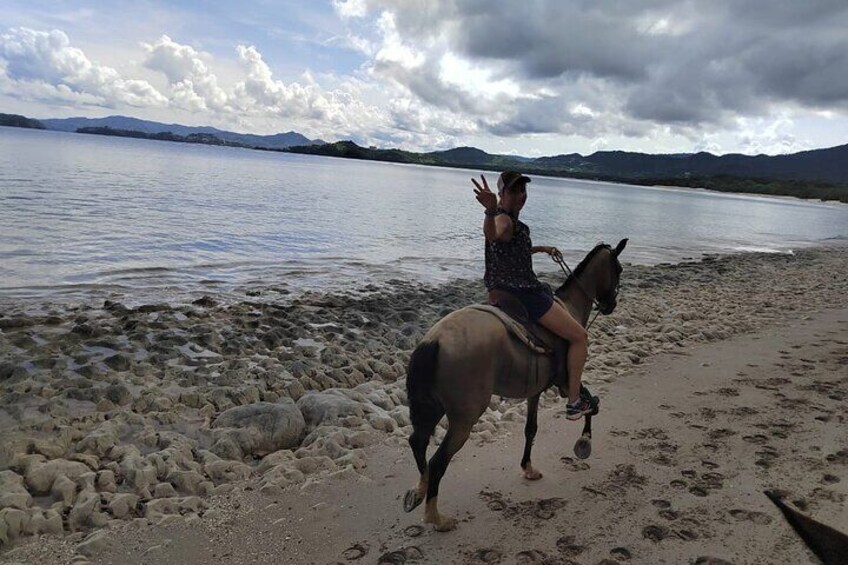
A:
(500, 228)
(552, 251)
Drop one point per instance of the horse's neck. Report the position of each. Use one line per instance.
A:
(579, 304)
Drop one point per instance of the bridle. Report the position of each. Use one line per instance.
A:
(596, 304)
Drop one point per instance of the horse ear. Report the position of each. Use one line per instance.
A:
(620, 247)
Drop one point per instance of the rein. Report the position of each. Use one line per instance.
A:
(569, 273)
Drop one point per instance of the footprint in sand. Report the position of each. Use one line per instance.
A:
(840, 457)
(487, 555)
(567, 547)
(401, 556)
(660, 503)
(546, 508)
(748, 516)
(679, 484)
(655, 533)
(758, 439)
(829, 495)
(713, 480)
(767, 457)
(621, 553)
(669, 514)
(354, 552)
(575, 465)
(721, 433)
(530, 557)
(686, 535)
(413, 531)
(706, 560)
(496, 505)
(829, 479)
(699, 491)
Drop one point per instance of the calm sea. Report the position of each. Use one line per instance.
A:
(84, 216)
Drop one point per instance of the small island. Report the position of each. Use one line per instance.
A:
(202, 138)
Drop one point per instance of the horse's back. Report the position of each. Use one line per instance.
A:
(478, 357)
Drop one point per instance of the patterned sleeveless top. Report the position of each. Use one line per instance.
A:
(509, 264)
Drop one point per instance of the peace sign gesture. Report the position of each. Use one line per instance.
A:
(485, 196)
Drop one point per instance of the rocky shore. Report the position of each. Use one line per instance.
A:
(111, 414)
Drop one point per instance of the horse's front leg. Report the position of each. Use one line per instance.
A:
(529, 435)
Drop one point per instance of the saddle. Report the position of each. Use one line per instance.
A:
(538, 340)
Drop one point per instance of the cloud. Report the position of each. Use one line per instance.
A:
(193, 84)
(339, 111)
(45, 65)
(651, 63)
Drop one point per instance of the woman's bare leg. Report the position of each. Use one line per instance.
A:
(558, 320)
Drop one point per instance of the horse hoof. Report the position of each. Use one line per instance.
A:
(445, 525)
(583, 448)
(532, 475)
(411, 500)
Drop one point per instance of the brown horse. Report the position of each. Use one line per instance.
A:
(469, 355)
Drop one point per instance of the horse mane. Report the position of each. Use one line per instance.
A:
(582, 265)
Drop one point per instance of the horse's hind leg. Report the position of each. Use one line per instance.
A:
(453, 442)
(418, 441)
(529, 435)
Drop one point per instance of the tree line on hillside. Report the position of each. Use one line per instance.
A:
(789, 175)
(202, 138)
(18, 121)
(723, 183)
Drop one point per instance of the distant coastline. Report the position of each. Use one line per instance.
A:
(820, 174)
(804, 189)
(202, 138)
(18, 121)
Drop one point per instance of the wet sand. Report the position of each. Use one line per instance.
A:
(697, 420)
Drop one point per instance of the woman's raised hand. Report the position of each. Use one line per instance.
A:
(485, 196)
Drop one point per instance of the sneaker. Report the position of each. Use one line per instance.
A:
(580, 408)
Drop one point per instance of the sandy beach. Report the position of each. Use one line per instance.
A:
(264, 431)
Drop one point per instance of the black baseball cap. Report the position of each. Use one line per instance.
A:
(510, 178)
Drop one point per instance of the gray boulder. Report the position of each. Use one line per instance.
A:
(331, 407)
(262, 427)
(12, 491)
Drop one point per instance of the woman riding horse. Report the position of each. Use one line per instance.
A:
(509, 268)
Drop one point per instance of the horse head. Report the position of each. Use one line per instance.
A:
(608, 278)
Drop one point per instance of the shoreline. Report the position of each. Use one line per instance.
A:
(611, 179)
(117, 414)
(15, 299)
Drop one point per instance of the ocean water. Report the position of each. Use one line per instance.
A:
(85, 216)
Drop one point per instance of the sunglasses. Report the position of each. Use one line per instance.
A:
(517, 189)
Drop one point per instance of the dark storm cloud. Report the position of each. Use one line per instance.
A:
(666, 62)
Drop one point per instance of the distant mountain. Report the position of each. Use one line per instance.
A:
(820, 165)
(276, 141)
(822, 173)
(17, 121)
(819, 173)
(825, 165)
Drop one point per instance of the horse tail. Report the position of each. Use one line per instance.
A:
(424, 407)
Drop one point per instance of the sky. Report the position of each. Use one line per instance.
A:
(528, 77)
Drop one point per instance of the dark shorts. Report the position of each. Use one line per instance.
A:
(537, 300)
